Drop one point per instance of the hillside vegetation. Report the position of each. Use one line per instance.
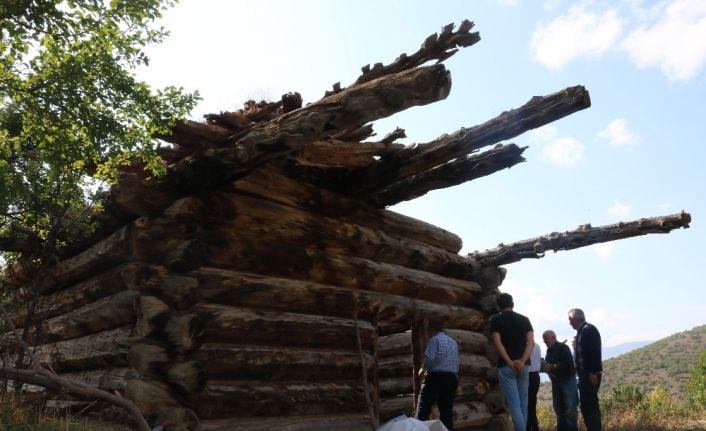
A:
(667, 363)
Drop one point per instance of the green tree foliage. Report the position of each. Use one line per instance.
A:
(696, 387)
(71, 110)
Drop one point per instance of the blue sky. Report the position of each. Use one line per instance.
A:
(637, 152)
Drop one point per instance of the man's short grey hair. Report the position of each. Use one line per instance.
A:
(548, 333)
(577, 313)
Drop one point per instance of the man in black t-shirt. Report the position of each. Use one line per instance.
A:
(513, 337)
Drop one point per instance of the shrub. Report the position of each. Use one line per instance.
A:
(695, 389)
(623, 397)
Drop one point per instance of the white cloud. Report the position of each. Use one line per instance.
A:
(508, 2)
(675, 41)
(564, 151)
(543, 134)
(619, 209)
(577, 33)
(552, 4)
(604, 250)
(618, 134)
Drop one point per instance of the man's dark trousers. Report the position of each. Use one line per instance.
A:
(588, 400)
(532, 423)
(439, 388)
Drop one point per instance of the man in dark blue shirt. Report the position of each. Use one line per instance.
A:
(589, 366)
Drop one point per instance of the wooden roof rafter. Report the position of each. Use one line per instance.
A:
(419, 161)
(583, 236)
(437, 47)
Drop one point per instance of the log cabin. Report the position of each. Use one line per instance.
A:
(262, 283)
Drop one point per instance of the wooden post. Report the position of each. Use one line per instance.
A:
(376, 381)
(374, 422)
(420, 329)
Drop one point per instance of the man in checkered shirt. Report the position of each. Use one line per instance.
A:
(440, 372)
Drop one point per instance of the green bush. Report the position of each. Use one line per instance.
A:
(623, 397)
(695, 389)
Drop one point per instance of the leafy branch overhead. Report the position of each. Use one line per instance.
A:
(71, 106)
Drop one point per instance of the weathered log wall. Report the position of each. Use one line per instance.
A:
(239, 306)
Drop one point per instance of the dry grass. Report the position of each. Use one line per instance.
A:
(633, 420)
(18, 414)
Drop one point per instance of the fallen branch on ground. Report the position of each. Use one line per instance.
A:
(39, 375)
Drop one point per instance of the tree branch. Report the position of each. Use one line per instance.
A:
(39, 375)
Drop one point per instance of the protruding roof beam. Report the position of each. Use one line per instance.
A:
(447, 175)
(416, 159)
(350, 108)
(583, 236)
(435, 47)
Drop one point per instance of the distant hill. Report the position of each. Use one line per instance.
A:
(666, 362)
(612, 352)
